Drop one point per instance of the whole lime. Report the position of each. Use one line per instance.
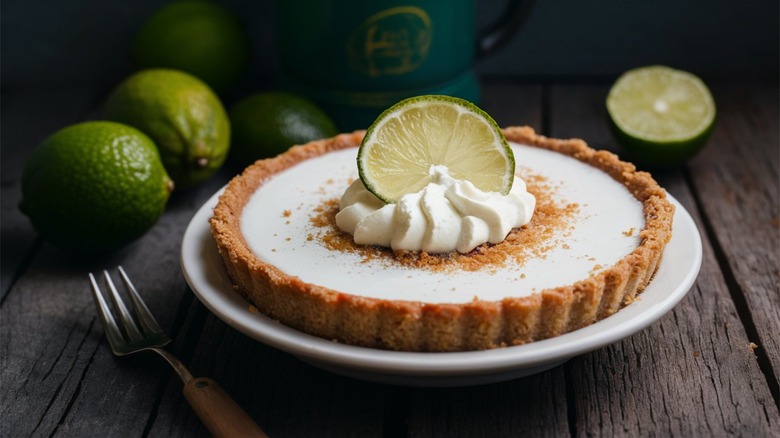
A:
(198, 37)
(181, 114)
(267, 124)
(94, 186)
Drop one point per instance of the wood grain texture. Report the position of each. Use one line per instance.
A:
(690, 374)
(530, 406)
(60, 375)
(737, 184)
(286, 396)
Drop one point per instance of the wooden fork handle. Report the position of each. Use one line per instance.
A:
(222, 416)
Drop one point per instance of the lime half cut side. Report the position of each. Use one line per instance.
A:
(408, 139)
(661, 115)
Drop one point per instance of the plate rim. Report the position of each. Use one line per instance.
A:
(224, 304)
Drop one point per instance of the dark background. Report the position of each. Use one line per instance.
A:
(89, 40)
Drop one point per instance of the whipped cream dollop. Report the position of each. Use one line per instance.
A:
(447, 214)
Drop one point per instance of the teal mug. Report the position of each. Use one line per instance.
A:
(355, 58)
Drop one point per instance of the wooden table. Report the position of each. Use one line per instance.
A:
(709, 368)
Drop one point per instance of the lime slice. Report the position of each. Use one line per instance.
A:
(412, 136)
(660, 115)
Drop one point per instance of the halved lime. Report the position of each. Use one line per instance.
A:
(408, 139)
(660, 115)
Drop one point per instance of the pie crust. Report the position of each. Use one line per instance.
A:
(419, 326)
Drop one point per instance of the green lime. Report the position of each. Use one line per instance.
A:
(661, 116)
(408, 139)
(198, 37)
(94, 186)
(267, 124)
(181, 114)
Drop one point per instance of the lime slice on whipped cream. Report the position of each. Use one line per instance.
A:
(409, 140)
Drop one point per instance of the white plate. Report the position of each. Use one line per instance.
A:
(206, 275)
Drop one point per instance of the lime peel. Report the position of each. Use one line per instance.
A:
(94, 186)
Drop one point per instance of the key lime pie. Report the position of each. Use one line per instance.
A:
(448, 235)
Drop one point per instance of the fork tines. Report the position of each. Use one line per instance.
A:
(121, 339)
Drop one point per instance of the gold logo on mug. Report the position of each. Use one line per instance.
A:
(392, 42)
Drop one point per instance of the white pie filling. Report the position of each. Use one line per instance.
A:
(276, 224)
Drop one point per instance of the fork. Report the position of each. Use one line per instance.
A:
(219, 413)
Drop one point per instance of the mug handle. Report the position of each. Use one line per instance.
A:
(499, 33)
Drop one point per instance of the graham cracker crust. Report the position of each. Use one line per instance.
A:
(418, 326)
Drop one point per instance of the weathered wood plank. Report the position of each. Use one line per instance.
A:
(531, 406)
(690, 374)
(286, 396)
(737, 183)
(58, 372)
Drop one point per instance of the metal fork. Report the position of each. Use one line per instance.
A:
(218, 412)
